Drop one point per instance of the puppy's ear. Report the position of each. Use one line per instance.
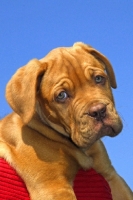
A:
(108, 66)
(22, 89)
(104, 60)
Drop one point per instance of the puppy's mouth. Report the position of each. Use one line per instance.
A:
(90, 129)
(87, 138)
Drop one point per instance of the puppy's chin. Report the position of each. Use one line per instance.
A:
(84, 142)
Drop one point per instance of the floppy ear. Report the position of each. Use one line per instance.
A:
(22, 89)
(108, 66)
(104, 60)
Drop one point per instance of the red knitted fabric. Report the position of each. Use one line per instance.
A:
(88, 185)
(11, 185)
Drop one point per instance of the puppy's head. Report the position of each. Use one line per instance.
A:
(70, 89)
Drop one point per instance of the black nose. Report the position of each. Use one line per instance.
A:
(98, 111)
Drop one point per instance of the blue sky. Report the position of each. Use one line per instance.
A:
(30, 29)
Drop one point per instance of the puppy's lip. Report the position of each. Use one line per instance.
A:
(115, 131)
(88, 140)
(111, 130)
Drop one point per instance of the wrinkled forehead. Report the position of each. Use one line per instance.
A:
(68, 66)
(71, 59)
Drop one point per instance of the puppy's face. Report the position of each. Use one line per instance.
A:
(75, 97)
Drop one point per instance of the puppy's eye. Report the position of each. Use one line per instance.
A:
(62, 96)
(100, 79)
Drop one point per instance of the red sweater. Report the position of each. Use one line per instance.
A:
(88, 185)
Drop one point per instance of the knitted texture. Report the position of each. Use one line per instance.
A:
(11, 185)
(88, 185)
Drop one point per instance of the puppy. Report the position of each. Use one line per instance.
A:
(62, 105)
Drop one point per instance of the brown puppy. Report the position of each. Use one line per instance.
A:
(62, 105)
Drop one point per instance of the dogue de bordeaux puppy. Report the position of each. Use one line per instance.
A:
(62, 106)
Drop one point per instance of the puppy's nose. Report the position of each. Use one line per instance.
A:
(98, 111)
